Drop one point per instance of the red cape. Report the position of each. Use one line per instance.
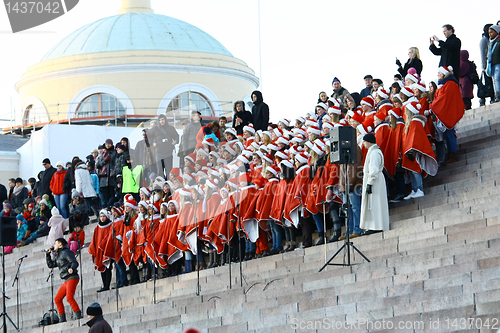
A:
(448, 105)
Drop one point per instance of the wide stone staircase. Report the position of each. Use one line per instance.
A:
(436, 270)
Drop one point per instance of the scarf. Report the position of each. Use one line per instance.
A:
(18, 189)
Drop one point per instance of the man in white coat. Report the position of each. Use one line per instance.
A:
(374, 206)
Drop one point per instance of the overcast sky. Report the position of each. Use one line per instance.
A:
(305, 44)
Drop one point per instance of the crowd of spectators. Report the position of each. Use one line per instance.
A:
(251, 189)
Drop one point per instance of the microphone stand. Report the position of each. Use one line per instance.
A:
(79, 252)
(4, 312)
(229, 247)
(239, 227)
(16, 282)
(345, 208)
(154, 259)
(195, 221)
(116, 262)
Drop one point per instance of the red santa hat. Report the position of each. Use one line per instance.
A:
(249, 128)
(283, 140)
(201, 162)
(320, 142)
(328, 125)
(414, 107)
(300, 119)
(130, 202)
(185, 191)
(255, 145)
(318, 149)
(243, 159)
(209, 142)
(299, 131)
(446, 70)
(281, 155)
(203, 151)
(212, 184)
(287, 163)
(382, 93)
(273, 169)
(268, 158)
(226, 170)
(272, 146)
(106, 213)
(215, 154)
(285, 121)
(302, 158)
(322, 105)
(187, 177)
(334, 109)
(191, 158)
(221, 160)
(308, 144)
(357, 117)
(278, 132)
(407, 91)
(267, 134)
(175, 171)
(143, 204)
(233, 182)
(411, 77)
(230, 130)
(258, 153)
(145, 191)
(154, 206)
(337, 102)
(245, 177)
(368, 101)
(314, 130)
(311, 122)
(396, 112)
(380, 115)
(398, 97)
(420, 86)
(229, 149)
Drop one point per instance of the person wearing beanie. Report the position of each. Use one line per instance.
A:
(56, 186)
(448, 49)
(374, 206)
(96, 321)
(66, 262)
(19, 193)
(493, 61)
(78, 209)
(338, 91)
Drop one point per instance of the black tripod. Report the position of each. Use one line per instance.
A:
(16, 282)
(4, 312)
(347, 244)
(79, 253)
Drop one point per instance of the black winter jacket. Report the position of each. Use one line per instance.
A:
(65, 260)
(260, 112)
(449, 51)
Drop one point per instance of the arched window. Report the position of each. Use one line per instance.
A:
(100, 105)
(33, 115)
(188, 101)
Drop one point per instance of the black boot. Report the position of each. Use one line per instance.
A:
(62, 318)
(335, 236)
(134, 274)
(321, 239)
(78, 315)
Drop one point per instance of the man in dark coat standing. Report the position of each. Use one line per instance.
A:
(97, 323)
(165, 137)
(260, 112)
(3, 193)
(46, 178)
(449, 50)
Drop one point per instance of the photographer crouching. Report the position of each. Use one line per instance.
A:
(66, 261)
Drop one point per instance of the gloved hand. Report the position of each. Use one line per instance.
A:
(369, 189)
(398, 62)
(410, 156)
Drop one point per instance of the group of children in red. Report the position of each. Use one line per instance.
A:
(237, 199)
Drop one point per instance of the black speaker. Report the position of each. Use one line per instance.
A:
(343, 143)
(8, 231)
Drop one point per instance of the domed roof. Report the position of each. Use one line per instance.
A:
(136, 31)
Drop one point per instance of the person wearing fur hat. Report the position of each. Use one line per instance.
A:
(374, 207)
(96, 321)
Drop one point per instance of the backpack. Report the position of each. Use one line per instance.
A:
(49, 318)
(473, 76)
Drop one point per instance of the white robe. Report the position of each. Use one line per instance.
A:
(374, 207)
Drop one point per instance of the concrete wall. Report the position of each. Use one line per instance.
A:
(9, 166)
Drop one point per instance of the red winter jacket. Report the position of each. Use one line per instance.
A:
(56, 183)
